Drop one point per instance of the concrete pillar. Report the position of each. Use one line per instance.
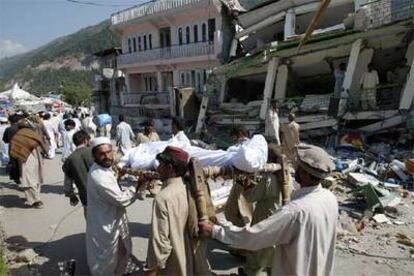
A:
(364, 58)
(357, 65)
(269, 85)
(127, 84)
(290, 23)
(222, 90)
(125, 89)
(281, 82)
(159, 81)
(352, 63)
(176, 78)
(407, 94)
(349, 75)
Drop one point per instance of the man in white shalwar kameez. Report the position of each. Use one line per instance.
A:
(272, 124)
(108, 242)
(124, 135)
(303, 231)
(4, 147)
(52, 133)
(68, 145)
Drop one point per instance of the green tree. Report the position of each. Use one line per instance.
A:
(77, 94)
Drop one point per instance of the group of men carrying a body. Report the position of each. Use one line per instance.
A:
(300, 236)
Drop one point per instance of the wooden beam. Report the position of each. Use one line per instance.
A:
(315, 21)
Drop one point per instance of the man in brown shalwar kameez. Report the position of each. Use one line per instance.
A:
(171, 247)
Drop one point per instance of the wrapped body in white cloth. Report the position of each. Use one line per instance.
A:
(250, 156)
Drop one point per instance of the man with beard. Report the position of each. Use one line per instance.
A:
(108, 241)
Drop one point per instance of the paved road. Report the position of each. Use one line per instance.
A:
(57, 231)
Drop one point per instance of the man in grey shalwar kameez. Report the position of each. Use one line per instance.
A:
(108, 242)
(303, 231)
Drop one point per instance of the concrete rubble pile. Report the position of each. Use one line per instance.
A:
(374, 185)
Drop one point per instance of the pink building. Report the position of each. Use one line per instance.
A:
(166, 44)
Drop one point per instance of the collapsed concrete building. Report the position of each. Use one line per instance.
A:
(268, 64)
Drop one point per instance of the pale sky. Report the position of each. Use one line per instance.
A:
(28, 24)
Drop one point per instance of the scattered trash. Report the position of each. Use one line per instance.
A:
(404, 239)
(380, 218)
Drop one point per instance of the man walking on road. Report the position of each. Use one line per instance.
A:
(124, 135)
(68, 145)
(304, 230)
(108, 242)
(27, 147)
(76, 168)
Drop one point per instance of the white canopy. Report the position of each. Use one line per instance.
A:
(18, 94)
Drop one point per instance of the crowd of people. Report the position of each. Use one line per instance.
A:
(295, 239)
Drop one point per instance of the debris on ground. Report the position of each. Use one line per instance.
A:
(374, 184)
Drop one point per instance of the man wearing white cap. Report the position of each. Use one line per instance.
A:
(4, 148)
(108, 242)
(304, 230)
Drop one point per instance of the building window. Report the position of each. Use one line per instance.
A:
(146, 83)
(129, 46)
(180, 36)
(139, 44)
(195, 33)
(145, 42)
(211, 29)
(187, 35)
(134, 44)
(204, 32)
(182, 79)
(150, 40)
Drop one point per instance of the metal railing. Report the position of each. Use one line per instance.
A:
(383, 12)
(179, 51)
(149, 9)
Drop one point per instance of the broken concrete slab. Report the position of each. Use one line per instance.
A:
(370, 115)
(320, 124)
(385, 124)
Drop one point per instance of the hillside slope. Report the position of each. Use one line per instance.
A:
(65, 61)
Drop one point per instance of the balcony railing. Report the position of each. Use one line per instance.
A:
(154, 99)
(149, 9)
(383, 12)
(179, 51)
